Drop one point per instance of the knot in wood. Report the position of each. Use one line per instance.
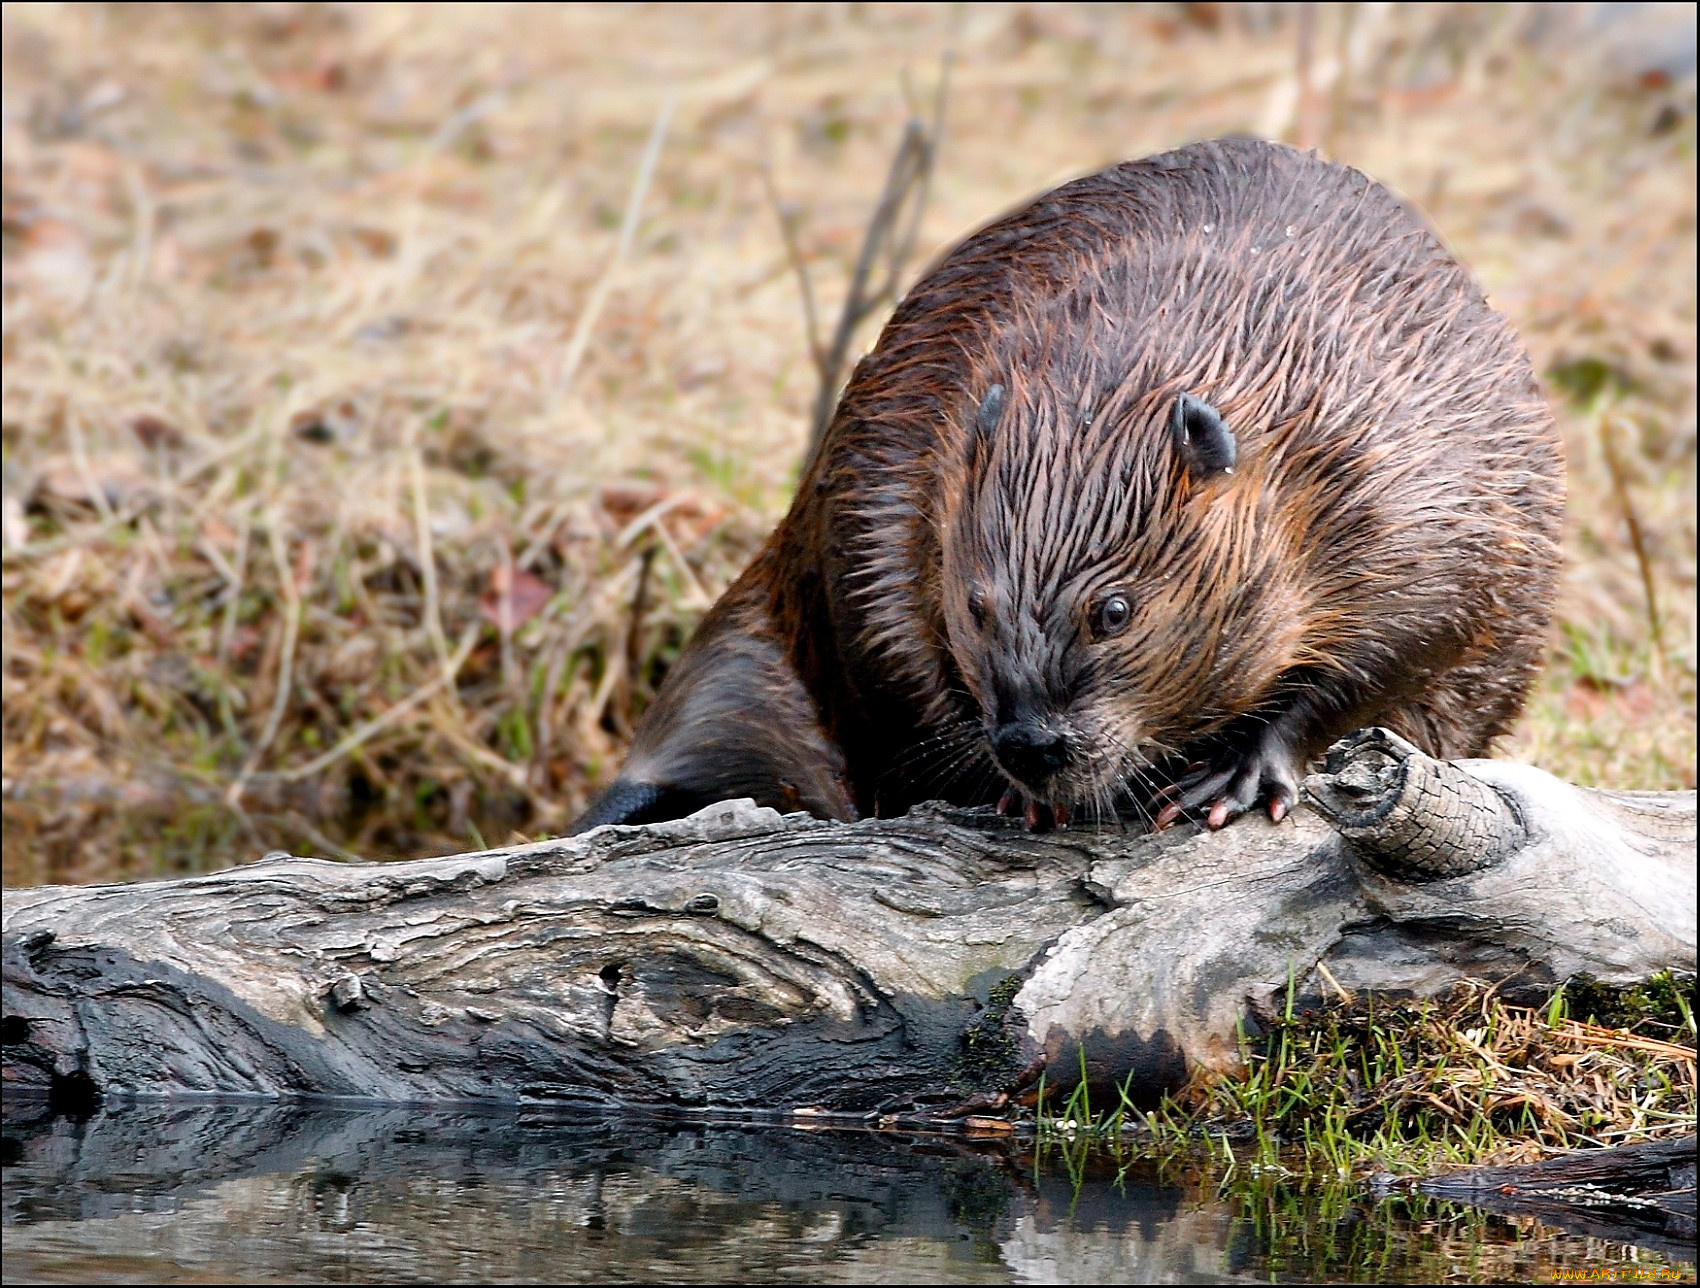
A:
(349, 994)
(1371, 777)
(35, 941)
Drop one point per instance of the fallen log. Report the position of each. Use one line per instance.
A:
(940, 962)
(1641, 1193)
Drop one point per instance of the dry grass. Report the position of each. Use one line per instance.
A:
(1398, 1087)
(339, 432)
(1416, 1085)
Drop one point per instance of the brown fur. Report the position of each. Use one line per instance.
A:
(1385, 550)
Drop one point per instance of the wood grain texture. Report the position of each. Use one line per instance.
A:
(741, 959)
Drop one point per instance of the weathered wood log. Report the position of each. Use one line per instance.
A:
(938, 961)
(1641, 1193)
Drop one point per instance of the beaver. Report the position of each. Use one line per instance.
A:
(1148, 492)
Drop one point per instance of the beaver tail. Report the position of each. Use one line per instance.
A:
(628, 802)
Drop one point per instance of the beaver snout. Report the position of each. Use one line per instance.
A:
(1030, 752)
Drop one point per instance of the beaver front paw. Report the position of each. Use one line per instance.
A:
(1230, 784)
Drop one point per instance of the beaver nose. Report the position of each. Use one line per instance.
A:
(1029, 752)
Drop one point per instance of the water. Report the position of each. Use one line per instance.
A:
(256, 1192)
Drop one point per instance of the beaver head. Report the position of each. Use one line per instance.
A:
(1116, 582)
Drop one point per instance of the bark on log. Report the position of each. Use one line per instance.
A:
(738, 959)
(1641, 1193)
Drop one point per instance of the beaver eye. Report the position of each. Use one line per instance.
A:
(977, 607)
(1111, 615)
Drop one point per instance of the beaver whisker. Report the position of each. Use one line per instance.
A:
(949, 738)
(1129, 778)
(937, 759)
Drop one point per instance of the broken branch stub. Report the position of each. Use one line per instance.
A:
(1410, 815)
(743, 960)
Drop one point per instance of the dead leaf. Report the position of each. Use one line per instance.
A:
(262, 244)
(379, 243)
(244, 643)
(624, 501)
(119, 481)
(156, 432)
(215, 531)
(527, 594)
(338, 423)
(57, 259)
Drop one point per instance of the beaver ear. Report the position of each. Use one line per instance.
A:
(987, 418)
(1202, 437)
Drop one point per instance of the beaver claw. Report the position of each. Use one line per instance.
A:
(1230, 787)
(1039, 816)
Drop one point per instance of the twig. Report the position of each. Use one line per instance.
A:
(1304, 125)
(505, 617)
(906, 166)
(450, 729)
(696, 595)
(651, 517)
(1620, 485)
(787, 217)
(85, 472)
(628, 230)
(143, 215)
(377, 724)
(98, 530)
(458, 122)
(299, 822)
(545, 739)
(650, 520)
(233, 588)
(1597, 1035)
(285, 662)
(905, 246)
(893, 230)
(1346, 995)
(640, 606)
(614, 663)
(433, 609)
(84, 535)
(634, 635)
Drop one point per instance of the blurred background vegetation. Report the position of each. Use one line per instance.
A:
(388, 389)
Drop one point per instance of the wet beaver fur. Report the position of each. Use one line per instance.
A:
(1148, 492)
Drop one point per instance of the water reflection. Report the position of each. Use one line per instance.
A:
(267, 1192)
